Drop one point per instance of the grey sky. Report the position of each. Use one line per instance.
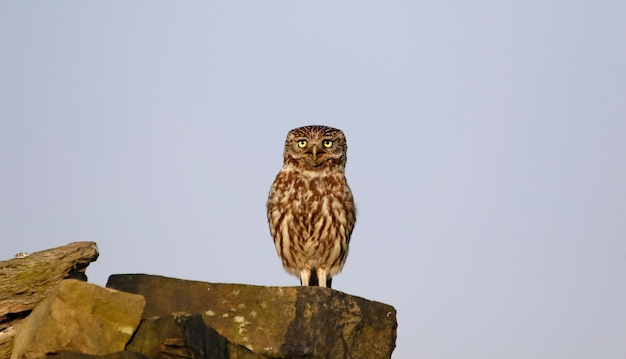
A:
(487, 146)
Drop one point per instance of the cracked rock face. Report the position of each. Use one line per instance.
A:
(79, 317)
(277, 322)
(183, 335)
(29, 277)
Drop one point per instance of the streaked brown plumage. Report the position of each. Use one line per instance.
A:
(310, 209)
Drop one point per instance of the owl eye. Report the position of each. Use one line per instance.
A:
(327, 143)
(302, 143)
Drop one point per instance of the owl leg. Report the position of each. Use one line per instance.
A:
(305, 276)
(321, 277)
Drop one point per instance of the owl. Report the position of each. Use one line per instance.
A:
(310, 208)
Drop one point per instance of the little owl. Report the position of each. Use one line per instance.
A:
(310, 208)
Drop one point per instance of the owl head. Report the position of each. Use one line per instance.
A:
(315, 148)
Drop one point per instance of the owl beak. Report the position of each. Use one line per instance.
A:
(314, 151)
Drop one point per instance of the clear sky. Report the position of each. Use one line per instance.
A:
(487, 153)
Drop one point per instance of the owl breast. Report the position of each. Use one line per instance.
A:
(311, 219)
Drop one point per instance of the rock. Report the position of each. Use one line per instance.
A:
(184, 335)
(27, 279)
(70, 319)
(79, 317)
(117, 355)
(277, 322)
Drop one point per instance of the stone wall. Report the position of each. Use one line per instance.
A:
(146, 316)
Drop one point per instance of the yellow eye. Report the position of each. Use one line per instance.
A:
(328, 143)
(302, 143)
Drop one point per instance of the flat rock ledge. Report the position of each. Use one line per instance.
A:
(274, 322)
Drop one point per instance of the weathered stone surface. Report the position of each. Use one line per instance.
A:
(277, 322)
(74, 355)
(79, 317)
(182, 319)
(27, 280)
(184, 335)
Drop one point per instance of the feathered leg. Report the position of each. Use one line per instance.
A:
(305, 276)
(322, 279)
